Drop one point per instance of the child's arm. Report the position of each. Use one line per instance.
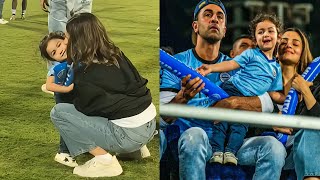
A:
(277, 97)
(51, 86)
(224, 66)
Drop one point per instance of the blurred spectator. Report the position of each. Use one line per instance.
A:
(14, 9)
(240, 44)
(2, 21)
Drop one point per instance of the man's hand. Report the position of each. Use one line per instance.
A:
(44, 5)
(189, 88)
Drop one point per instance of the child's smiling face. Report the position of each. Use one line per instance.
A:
(57, 49)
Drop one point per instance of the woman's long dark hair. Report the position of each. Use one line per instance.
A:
(89, 43)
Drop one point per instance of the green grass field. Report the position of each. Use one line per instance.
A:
(28, 139)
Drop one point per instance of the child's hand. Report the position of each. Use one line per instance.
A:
(204, 69)
(69, 88)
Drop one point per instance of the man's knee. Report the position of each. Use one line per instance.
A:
(274, 150)
(192, 138)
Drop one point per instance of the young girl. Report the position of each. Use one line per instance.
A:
(259, 73)
(112, 110)
(52, 48)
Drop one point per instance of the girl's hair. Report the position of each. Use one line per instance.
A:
(263, 17)
(44, 43)
(88, 42)
(306, 56)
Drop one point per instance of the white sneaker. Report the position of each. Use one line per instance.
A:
(97, 168)
(65, 159)
(217, 157)
(44, 89)
(230, 158)
(139, 154)
(2, 21)
(13, 17)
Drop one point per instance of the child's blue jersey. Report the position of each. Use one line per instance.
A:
(257, 73)
(170, 82)
(51, 65)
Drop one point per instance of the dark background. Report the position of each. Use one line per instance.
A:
(176, 18)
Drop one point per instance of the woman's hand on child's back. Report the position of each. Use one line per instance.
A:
(69, 88)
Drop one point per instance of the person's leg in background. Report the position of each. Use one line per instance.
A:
(24, 9)
(78, 6)
(57, 18)
(2, 21)
(14, 9)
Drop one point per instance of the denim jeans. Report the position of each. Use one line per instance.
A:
(234, 138)
(163, 142)
(60, 98)
(237, 132)
(60, 12)
(264, 152)
(83, 133)
(304, 157)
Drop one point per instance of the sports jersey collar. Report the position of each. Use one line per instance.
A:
(269, 60)
(206, 61)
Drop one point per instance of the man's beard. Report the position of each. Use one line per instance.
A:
(210, 39)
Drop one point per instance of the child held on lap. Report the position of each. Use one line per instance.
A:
(259, 73)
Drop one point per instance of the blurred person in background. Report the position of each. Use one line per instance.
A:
(14, 9)
(2, 21)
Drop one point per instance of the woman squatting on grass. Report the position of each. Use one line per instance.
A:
(112, 109)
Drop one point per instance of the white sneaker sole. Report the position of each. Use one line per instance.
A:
(115, 170)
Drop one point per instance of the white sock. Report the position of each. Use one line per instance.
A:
(107, 158)
(13, 11)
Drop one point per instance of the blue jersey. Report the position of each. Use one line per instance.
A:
(51, 65)
(257, 73)
(169, 82)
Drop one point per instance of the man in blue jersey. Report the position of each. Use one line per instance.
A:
(209, 27)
